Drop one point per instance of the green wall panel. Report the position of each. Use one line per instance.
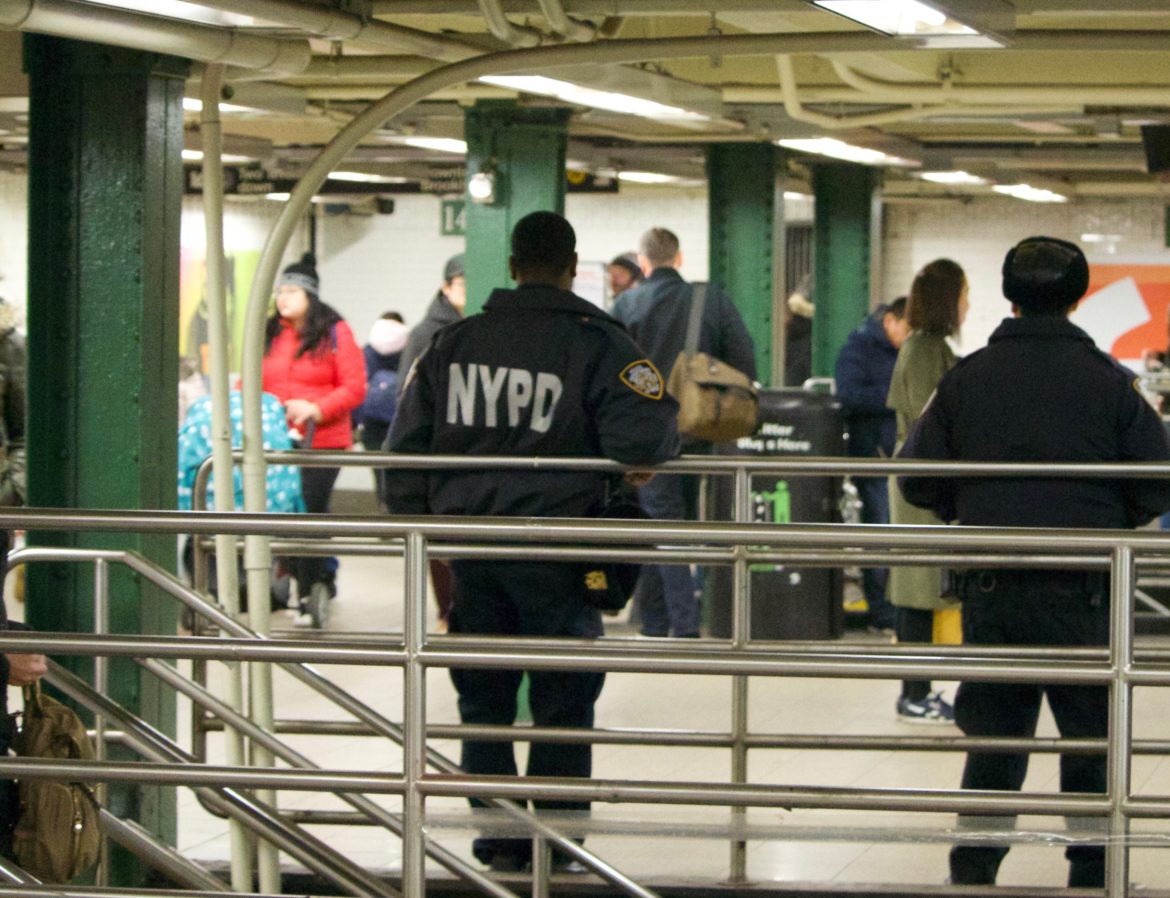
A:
(105, 181)
(744, 226)
(842, 233)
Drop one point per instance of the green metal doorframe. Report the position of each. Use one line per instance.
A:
(524, 149)
(105, 191)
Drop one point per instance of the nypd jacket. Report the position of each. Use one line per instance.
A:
(540, 372)
(655, 313)
(1039, 392)
(864, 368)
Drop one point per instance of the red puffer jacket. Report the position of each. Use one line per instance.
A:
(333, 376)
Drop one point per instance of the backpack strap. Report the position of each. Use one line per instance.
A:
(695, 319)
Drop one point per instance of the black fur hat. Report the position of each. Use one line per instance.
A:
(1045, 275)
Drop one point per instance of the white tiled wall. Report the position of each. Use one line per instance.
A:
(371, 263)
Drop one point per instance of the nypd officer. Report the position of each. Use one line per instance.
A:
(1070, 402)
(540, 372)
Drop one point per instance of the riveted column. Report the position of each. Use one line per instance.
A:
(105, 173)
(523, 150)
(844, 230)
(746, 218)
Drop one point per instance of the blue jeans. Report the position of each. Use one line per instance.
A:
(875, 509)
(666, 592)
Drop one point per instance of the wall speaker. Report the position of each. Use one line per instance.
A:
(1156, 142)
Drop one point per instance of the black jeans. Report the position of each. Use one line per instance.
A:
(316, 489)
(1048, 608)
(524, 599)
(915, 625)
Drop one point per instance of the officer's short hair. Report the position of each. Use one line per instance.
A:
(543, 243)
(660, 246)
(897, 308)
(1044, 275)
(933, 304)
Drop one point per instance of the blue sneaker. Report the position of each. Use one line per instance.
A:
(932, 709)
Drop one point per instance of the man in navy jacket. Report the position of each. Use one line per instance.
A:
(655, 313)
(1039, 392)
(864, 368)
(540, 372)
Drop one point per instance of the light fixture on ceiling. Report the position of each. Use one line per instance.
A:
(278, 197)
(596, 99)
(197, 156)
(359, 177)
(438, 144)
(177, 9)
(1029, 193)
(650, 177)
(481, 186)
(959, 178)
(909, 18)
(838, 149)
(193, 104)
(1101, 238)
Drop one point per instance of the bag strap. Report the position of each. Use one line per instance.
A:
(695, 319)
(32, 697)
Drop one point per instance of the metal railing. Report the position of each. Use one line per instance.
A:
(741, 544)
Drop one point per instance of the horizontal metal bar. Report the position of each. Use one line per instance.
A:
(592, 656)
(530, 531)
(804, 466)
(758, 795)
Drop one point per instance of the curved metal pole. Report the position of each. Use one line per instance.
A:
(227, 580)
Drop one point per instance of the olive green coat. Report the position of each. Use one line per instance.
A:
(922, 361)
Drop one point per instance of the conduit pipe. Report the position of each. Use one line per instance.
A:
(106, 25)
(797, 111)
(559, 21)
(227, 579)
(1020, 95)
(332, 24)
(501, 28)
(257, 555)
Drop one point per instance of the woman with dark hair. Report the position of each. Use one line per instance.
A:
(935, 310)
(313, 365)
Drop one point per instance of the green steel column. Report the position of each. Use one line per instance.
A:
(525, 149)
(743, 206)
(105, 174)
(844, 228)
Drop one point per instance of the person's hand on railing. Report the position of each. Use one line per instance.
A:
(24, 670)
(639, 478)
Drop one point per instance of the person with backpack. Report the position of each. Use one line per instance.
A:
(383, 353)
(313, 365)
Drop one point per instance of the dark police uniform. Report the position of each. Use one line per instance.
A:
(1040, 391)
(540, 372)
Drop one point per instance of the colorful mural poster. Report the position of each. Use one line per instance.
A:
(241, 267)
(1127, 307)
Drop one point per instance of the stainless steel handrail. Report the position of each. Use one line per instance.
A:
(1098, 542)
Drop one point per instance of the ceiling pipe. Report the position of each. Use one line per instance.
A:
(947, 91)
(501, 28)
(559, 21)
(119, 28)
(797, 111)
(331, 24)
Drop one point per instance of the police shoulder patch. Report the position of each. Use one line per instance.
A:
(643, 378)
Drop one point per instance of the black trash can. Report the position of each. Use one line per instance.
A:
(786, 602)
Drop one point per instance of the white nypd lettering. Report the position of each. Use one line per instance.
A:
(492, 384)
(461, 394)
(548, 394)
(519, 394)
(530, 399)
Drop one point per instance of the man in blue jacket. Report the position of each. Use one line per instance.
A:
(1039, 392)
(540, 372)
(864, 368)
(655, 313)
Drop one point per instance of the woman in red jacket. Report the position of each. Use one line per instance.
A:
(313, 365)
